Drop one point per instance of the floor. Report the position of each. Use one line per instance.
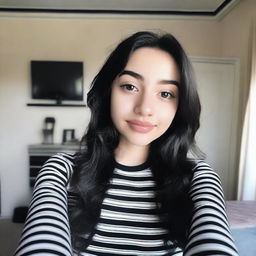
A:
(9, 236)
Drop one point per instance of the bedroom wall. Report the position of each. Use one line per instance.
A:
(236, 30)
(85, 38)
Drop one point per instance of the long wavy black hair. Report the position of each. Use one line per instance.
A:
(172, 169)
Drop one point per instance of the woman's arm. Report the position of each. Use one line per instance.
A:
(209, 233)
(46, 230)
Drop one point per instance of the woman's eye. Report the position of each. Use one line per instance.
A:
(129, 87)
(167, 95)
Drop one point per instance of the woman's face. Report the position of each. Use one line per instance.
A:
(144, 96)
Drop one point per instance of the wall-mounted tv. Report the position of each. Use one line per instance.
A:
(57, 80)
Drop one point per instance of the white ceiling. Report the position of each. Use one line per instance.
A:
(169, 7)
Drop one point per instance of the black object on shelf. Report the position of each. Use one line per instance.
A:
(54, 105)
(20, 214)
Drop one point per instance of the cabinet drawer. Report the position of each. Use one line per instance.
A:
(38, 160)
(33, 171)
(40, 153)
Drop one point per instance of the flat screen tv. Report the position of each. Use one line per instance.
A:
(57, 80)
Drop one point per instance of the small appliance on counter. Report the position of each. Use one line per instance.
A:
(48, 130)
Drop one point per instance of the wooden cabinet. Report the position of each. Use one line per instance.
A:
(40, 153)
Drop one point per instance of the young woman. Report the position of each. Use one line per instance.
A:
(132, 189)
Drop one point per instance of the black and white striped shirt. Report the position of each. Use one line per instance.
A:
(129, 222)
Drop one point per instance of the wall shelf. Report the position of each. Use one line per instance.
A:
(54, 105)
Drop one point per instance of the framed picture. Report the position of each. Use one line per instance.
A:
(68, 135)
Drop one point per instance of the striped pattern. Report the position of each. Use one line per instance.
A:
(46, 230)
(129, 222)
(209, 233)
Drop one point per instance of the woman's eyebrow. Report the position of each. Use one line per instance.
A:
(131, 73)
(174, 82)
(140, 77)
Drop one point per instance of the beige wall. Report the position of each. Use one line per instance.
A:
(236, 31)
(86, 38)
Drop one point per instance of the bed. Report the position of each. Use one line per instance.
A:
(242, 219)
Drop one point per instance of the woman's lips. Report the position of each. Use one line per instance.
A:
(140, 126)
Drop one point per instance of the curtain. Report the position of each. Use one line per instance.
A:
(247, 165)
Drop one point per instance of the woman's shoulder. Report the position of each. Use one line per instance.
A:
(60, 165)
(203, 170)
(205, 180)
(65, 158)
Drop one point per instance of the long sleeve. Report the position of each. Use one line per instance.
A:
(209, 233)
(46, 230)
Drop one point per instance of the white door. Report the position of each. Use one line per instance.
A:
(218, 81)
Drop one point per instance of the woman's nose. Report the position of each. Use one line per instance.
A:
(144, 106)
